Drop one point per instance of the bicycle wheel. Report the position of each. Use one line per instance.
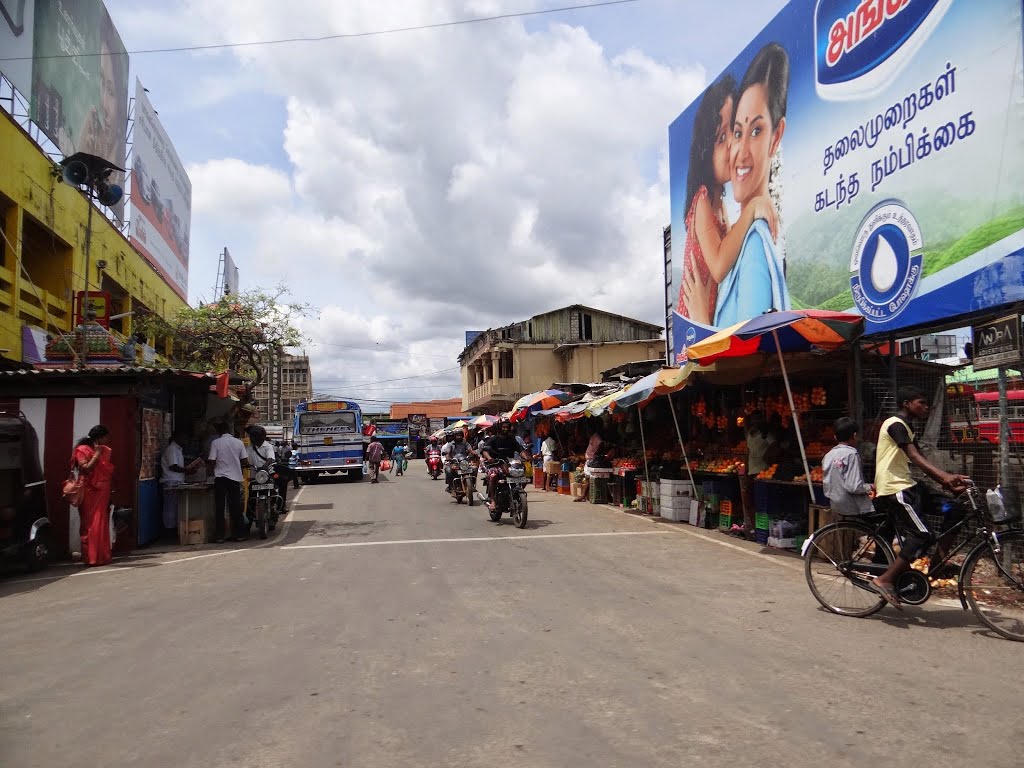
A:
(994, 585)
(840, 560)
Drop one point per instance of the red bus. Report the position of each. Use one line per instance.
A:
(974, 416)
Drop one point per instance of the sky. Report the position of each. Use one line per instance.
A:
(412, 186)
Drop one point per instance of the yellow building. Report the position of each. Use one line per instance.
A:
(572, 345)
(43, 248)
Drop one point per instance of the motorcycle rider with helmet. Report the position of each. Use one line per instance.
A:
(457, 449)
(502, 445)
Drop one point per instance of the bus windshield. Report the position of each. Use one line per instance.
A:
(319, 422)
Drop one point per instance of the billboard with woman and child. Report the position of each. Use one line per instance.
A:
(858, 155)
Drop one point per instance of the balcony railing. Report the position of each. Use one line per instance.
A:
(503, 388)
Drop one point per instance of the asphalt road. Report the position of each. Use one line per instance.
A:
(387, 626)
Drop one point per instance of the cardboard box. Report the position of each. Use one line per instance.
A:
(195, 533)
(696, 512)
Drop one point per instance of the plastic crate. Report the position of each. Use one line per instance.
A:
(762, 521)
(599, 490)
(724, 521)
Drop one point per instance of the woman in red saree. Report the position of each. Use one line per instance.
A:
(92, 457)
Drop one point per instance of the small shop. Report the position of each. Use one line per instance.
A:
(140, 406)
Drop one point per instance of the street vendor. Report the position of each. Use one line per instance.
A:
(172, 473)
(759, 439)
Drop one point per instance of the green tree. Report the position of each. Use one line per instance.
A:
(236, 333)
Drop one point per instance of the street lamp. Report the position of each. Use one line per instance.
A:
(91, 172)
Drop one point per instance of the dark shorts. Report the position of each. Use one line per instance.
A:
(906, 508)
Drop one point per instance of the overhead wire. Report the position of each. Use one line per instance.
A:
(339, 36)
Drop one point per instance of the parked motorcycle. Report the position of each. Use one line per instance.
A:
(434, 468)
(264, 502)
(509, 490)
(464, 481)
(24, 527)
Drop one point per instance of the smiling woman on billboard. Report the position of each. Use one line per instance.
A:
(731, 273)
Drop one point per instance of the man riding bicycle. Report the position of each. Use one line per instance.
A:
(898, 494)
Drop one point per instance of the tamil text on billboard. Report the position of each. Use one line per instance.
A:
(16, 22)
(80, 81)
(858, 155)
(161, 195)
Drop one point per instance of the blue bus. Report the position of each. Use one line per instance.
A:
(329, 434)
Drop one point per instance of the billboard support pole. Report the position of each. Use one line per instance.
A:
(1004, 430)
(85, 295)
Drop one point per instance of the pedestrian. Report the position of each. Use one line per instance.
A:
(172, 473)
(844, 478)
(92, 458)
(227, 457)
(398, 459)
(549, 465)
(374, 456)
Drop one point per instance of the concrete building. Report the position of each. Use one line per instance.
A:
(286, 381)
(432, 409)
(42, 255)
(573, 344)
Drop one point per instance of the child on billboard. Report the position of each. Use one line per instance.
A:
(735, 273)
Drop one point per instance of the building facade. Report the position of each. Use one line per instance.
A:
(287, 381)
(45, 227)
(573, 344)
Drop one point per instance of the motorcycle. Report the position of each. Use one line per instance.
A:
(509, 491)
(463, 481)
(434, 468)
(264, 502)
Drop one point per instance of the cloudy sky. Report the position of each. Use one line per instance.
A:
(416, 185)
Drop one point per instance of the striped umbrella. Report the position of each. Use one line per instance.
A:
(539, 401)
(484, 421)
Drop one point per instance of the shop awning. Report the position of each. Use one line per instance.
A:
(661, 382)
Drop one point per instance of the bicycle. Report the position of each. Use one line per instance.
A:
(841, 558)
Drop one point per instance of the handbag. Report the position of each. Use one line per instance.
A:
(73, 490)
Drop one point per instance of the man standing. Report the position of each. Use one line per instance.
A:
(898, 494)
(227, 458)
(374, 456)
(172, 473)
(549, 465)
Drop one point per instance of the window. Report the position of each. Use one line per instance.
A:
(587, 331)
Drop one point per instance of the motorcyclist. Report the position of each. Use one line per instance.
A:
(502, 445)
(457, 449)
(261, 454)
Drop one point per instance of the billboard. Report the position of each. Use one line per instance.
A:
(161, 197)
(17, 19)
(80, 81)
(230, 278)
(858, 155)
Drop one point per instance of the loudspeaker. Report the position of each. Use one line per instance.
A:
(108, 194)
(75, 173)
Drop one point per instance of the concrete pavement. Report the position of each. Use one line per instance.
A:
(390, 627)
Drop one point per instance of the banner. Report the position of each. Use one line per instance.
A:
(17, 19)
(230, 275)
(80, 82)
(858, 155)
(161, 196)
(392, 428)
(419, 424)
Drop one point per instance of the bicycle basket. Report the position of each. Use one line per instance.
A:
(1002, 505)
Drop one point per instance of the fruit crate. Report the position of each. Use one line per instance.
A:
(725, 515)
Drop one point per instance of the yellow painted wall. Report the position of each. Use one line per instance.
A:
(44, 204)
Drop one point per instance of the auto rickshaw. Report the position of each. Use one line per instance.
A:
(24, 526)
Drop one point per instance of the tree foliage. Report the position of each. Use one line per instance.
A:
(236, 333)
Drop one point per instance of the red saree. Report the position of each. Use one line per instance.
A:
(94, 527)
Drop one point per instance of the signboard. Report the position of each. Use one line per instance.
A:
(323, 405)
(97, 303)
(161, 196)
(419, 424)
(997, 343)
(17, 19)
(80, 99)
(471, 335)
(858, 155)
(230, 275)
(392, 428)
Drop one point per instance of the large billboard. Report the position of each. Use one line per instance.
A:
(80, 81)
(161, 197)
(858, 155)
(16, 36)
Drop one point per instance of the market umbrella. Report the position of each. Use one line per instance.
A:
(539, 401)
(797, 330)
(460, 424)
(664, 381)
(484, 421)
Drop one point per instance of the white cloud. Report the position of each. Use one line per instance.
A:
(440, 180)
